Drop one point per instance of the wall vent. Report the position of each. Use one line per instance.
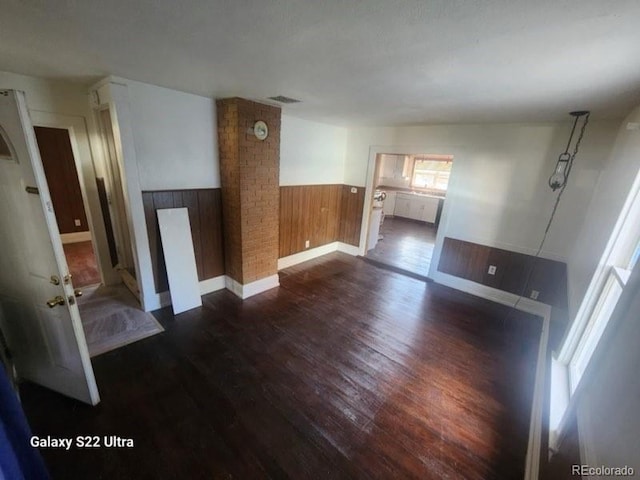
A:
(283, 99)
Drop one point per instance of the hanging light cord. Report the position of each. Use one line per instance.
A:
(555, 208)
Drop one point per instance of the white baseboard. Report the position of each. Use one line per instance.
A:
(493, 294)
(296, 258)
(349, 249)
(253, 288)
(534, 446)
(75, 237)
(163, 299)
(212, 284)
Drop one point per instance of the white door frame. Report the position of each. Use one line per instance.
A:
(115, 184)
(374, 150)
(79, 138)
(113, 92)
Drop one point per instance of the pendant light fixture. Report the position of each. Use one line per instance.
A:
(565, 161)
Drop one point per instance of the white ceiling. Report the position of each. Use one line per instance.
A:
(350, 62)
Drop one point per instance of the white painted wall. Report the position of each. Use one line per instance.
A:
(609, 194)
(176, 138)
(311, 152)
(498, 194)
(60, 97)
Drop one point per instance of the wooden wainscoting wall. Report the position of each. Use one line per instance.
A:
(471, 261)
(308, 212)
(321, 214)
(351, 214)
(205, 217)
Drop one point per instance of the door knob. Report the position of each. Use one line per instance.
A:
(59, 300)
(77, 292)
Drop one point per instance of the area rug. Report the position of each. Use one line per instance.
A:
(112, 318)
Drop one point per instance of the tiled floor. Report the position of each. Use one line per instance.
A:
(406, 244)
(82, 263)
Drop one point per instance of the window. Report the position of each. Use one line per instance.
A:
(607, 286)
(431, 173)
(6, 152)
(620, 260)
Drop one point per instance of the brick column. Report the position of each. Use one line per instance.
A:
(250, 174)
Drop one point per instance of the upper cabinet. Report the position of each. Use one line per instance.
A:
(394, 166)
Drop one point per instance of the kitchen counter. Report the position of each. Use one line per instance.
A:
(410, 192)
(416, 205)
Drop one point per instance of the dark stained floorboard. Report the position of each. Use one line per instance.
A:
(406, 244)
(340, 373)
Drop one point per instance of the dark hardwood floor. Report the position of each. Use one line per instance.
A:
(406, 244)
(82, 263)
(339, 373)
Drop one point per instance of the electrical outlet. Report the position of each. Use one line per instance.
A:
(77, 222)
(306, 244)
(534, 294)
(492, 269)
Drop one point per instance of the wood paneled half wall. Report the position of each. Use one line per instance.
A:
(321, 214)
(515, 272)
(205, 217)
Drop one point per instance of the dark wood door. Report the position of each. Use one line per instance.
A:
(62, 178)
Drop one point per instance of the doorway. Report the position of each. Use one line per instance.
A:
(110, 314)
(408, 197)
(67, 197)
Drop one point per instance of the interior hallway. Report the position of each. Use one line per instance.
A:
(406, 244)
(339, 373)
(82, 263)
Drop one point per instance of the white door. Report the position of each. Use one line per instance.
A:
(40, 317)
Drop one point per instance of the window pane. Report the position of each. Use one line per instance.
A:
(595, 327)
(431, 174)
(5, 151)
(634, 257)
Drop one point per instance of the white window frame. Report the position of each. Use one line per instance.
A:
(602, 296)
(417, 159)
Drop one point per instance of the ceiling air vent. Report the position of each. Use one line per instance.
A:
(283, 99)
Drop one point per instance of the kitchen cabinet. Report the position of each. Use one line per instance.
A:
(403, 206)
(394, 166)
(417, 207)
(389, 204)
(430, 210)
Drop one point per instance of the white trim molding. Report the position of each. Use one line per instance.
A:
(348, 249)
(250, 289)
(75, 237)
(296, 258)
(210, 285)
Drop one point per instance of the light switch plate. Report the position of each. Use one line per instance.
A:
(77, 222)
(492, 269)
